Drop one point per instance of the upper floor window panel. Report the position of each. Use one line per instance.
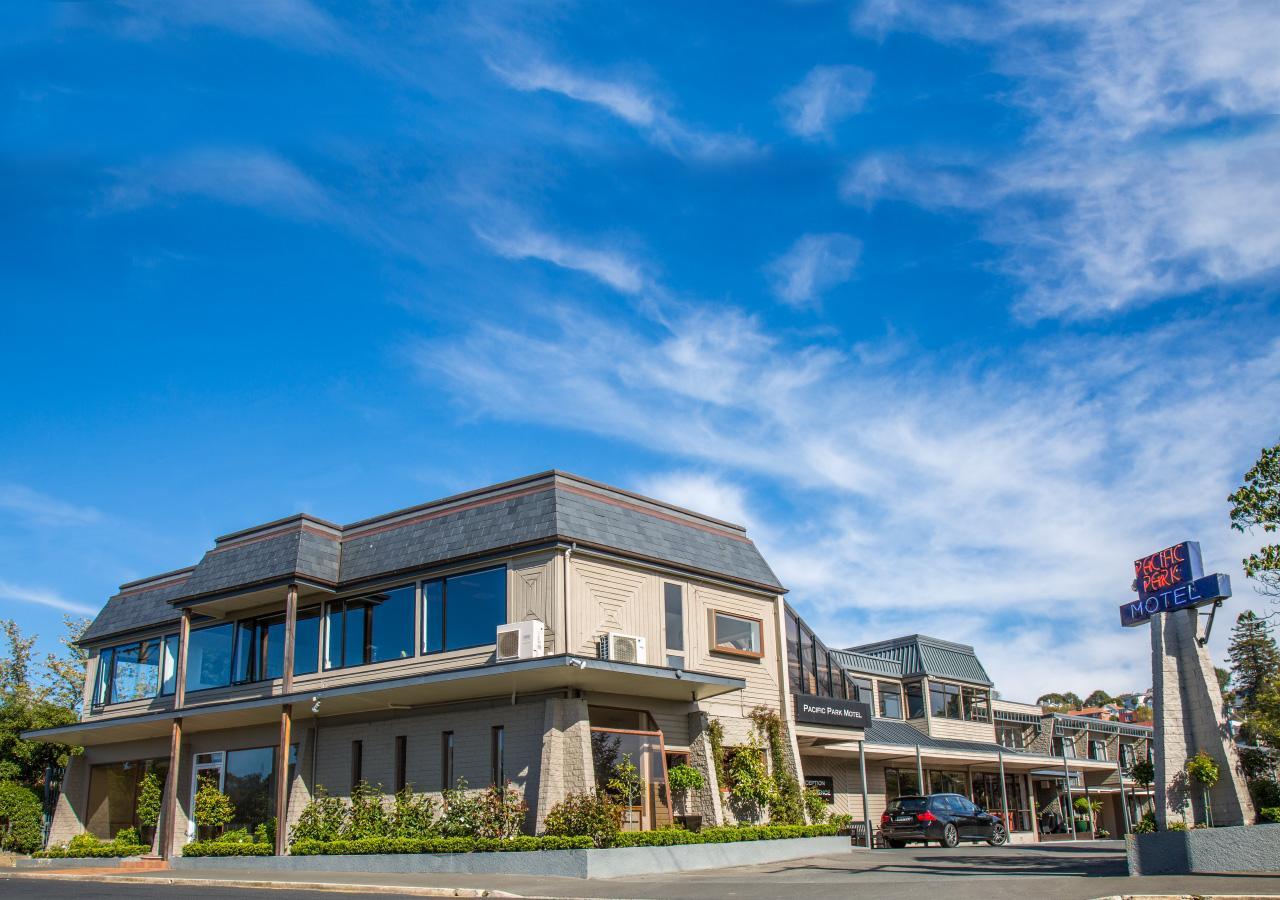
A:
(862, 691)
(210, 653)
(136, 671)
(463, 611)
(890, 700)
(370, 629)
(259, 650)
(737, 635)
(811, 667)
(915, 699)
(673, 610)
(944, 700)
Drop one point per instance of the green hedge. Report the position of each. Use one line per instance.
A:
(664, 838)
(1269, 814)
(366, 846)
(227, 848)
(668, 837)
(101, 851)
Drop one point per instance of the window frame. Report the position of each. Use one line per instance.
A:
(367, 646)
(674, 655)
(104, 676)
(890, 689)
(715, 646)
(424, 634)
(949, 692)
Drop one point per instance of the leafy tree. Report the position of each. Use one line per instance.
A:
(1097, 698)
(1061, 702)
(1255, 660)
(1256, 504)
(66, 670)
(1224, 679)
(150, 797)
(1264, 721)
(26, 704)
(21, 819)
(1142, 714)
(213, 809)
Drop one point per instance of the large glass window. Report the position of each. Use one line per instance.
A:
(464, 611)
(900, 783)
(169, 665)
(135, 671)
(113, 795)
(260, 646)
(811, 667)
(977, 705)
(915, 700)
(209, 657)
(738, 635)
(944, 700)
(370, 629)
(890, 700)
(673, 603)
(948, 783)
(1098, 750)
(249, 780)
(1011, 736)
(862, 691)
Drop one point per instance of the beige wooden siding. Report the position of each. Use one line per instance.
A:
(608, 597)
(761, 675)
(534, 592)
(954, 729)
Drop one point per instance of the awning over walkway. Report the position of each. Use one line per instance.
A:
(528, 676)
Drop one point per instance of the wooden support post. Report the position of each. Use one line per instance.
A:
(282, 777)
(1069, 813)
(290, 637)
(169, 812)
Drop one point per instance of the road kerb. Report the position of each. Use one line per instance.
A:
(335, 887)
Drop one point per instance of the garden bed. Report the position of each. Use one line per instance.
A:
(1239, 848)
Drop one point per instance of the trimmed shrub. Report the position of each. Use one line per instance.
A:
(88, 846)
(668, 837)
(213, 808)
(814, 806)
(439, 845)
(239, 836)
(589, 815)
(1176, 826)
(365, 817)
(1269, 814)
(227, 848)
(21, 818)
(265, 833)
(461, 813)
(1265, 792)
(150, 799)
(502, 812)
(1147, 825)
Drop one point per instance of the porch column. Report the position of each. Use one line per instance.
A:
(862, 779)
(169, 810)
(1124, 803)
(1093, 820)
(923, 788)
(1029, 783)
(1069, 812)
(1004, 797)
(286, 722)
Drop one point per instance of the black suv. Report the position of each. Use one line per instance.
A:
(945, 818)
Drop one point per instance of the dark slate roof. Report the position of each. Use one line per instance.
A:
(919, 654)
(900, 734)
(139, 605)
(540, 509)
(866, 663)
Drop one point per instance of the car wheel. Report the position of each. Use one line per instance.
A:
(999, 836)
(950, 837)
(897, 845)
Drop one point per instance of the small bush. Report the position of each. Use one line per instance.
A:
(683, 778)
(461, 813)
(150, 798)
(814, 806)
(1147, 825)
(502, 812)
(239, 836)
(585, 815)
(728, 835)
(227, 848)
(265, 833)
(412, 815)
(21, 818)
(213, 808)
(439, 845)
(88, 846)
(365, 817)
(127, 836)
(1269, 814)
(841, 821)
(1265, 791)
(320, 820)
(1176, 826)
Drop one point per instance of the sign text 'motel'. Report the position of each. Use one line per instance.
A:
(1172, 579)
(832, 711)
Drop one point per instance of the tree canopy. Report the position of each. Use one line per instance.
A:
(1256, 504)
(35, 695)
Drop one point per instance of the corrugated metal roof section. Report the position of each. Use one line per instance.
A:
(920, 654)
(870, 665)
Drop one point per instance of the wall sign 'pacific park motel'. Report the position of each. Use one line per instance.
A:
(1172, 579)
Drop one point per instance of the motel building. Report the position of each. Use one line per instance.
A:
(533, 632)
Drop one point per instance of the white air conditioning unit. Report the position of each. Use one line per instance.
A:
(520, 640)
(627, 648)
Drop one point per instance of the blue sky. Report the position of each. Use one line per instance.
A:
(959, 308)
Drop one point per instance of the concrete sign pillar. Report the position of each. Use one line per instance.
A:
(1189, 717)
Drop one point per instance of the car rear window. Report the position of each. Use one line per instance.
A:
(909, 804)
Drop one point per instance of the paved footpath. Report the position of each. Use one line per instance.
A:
(1055, 872)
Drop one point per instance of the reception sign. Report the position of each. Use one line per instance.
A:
(831, 711)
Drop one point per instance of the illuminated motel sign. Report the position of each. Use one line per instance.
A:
(1172, 579)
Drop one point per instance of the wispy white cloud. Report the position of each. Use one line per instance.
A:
(253, 178)
(827, 96)
(1022, 487)
(628, 102)
(42, 509)
(813, 265)
(703, 492)
(296, 22)
(42, 597)
(611, 267)
(1127, 189)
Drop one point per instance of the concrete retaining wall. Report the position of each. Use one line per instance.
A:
(1241, 848)
(564, 863)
